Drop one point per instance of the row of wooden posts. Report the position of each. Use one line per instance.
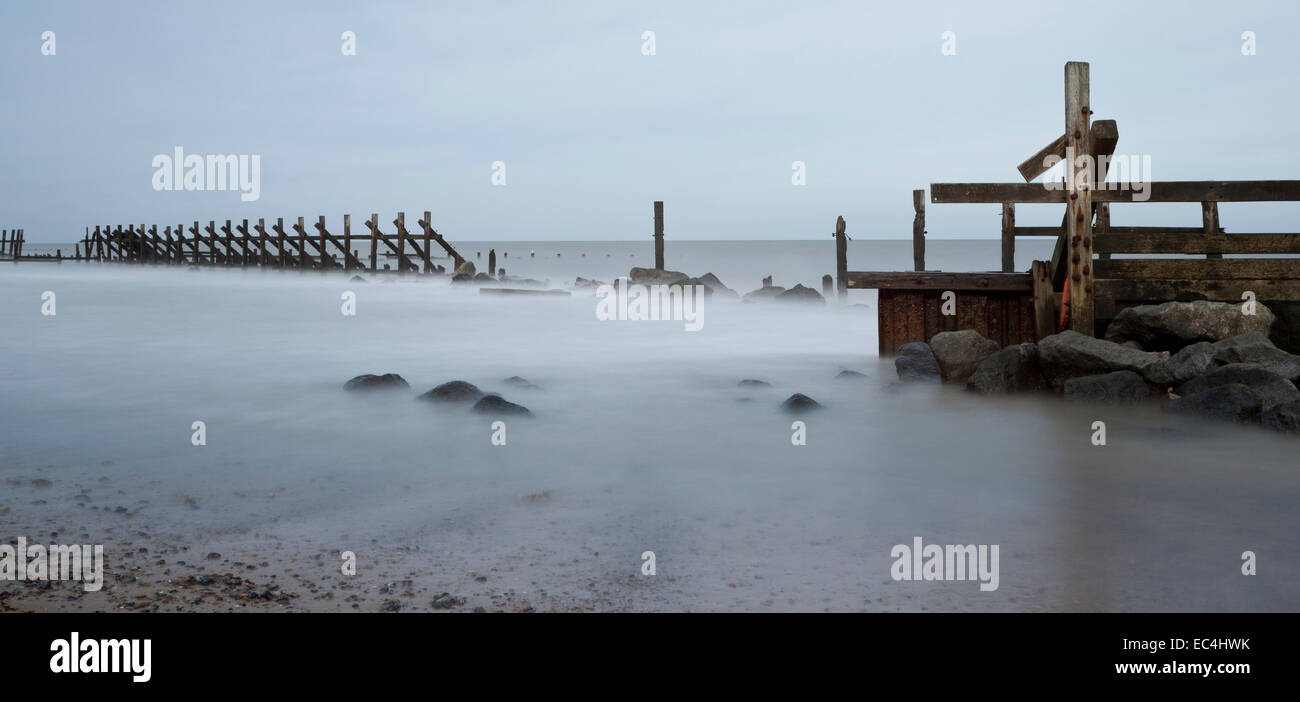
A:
(236, 245)
(11, 243)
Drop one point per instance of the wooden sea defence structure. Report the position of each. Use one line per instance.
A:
(11, 244)
(245, 246)
(1083, 286)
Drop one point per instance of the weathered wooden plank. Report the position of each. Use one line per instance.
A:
(1197, 243)
(937, 280)
(1210, 223)
(658, 236)
(1105, 135)
(1208, 269)
(1153, 291)
(1159, 191)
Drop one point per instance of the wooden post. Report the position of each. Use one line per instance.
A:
(1044, 300)
(211, 229)
(280, 239)
(242, 228)
(4, 241)
(324, 256)
(347, 242)
(198, 254)
(302, 244)
(428, 239)
(1078, 223)
(918, 230)
(373, 224)
(263, 257)
(1008, 237)
(841, 258)
(401, 242)
(828, 285)
(1210, 222)
(230, 243)
(492, 262)
(1103, 225)
(659, 235)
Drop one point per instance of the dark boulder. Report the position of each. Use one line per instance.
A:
(1234, 402)
(798, 403)
(1188, 363)
(454, 391)
(1257, 350)
(1117, 388)
(767, 292)
(1173, 325)
(916, 363)
(1012, 370)
(1270, 388)
(369, 382)
(1070, 354)
(497, 405)
(959, 353)
(1283, 417)
(653, 276)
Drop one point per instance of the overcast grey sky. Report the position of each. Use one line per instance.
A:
(592, 131)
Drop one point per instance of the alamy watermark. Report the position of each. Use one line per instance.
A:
(177, 171)
(626, 301)
(1132, 172)
(952, 562)
(53, 562)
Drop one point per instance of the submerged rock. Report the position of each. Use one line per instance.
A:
(916, 363)
(767, 292)
(1173, 325)
(653, 276)
(1119, 387)
(752, 383)
(800, 402)
(454, 391)
(850, 375)
(1270, 388)
(356, 279)
(800, 293)
(497, 405)
(1012, 370)
(369, 382)
(959, 353)
(1234, 402)
(1070, 354)
(520, 382)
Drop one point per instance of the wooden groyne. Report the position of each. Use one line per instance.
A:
(257, 246)
(1081, 287)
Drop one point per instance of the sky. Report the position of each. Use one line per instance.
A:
(592, 128)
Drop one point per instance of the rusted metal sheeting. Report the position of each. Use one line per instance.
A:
(915, 315)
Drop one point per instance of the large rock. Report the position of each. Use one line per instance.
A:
(1283, 417)
(369, 383)
(1233, 401)
(1257, 350)
(466, 268)
(1070, 354)
(767, 292)
(800, 293)
(1173, 325)
(499, 406)
(1285, 331)
(654, 276)
(1270, 388)
(715, 288)
(799, 403)
(1181, 367)
(1119, 388)
(454, 391)
(916, 363)
(960, 352)
(1012, 370)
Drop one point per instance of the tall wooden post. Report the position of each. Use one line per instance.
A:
(842, 259)
(1210, 223)
(4, 241)
(280, 239)
(374, 241)
(198, 254)
(263, 258)
(492, 262)
(1078, 223)
(918, 230)
(401, 242)
(428, 240)
(1103, 225)
(1008, 237)
(347, 242)
(659, 235)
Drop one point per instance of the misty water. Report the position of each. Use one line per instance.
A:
(641, 441)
